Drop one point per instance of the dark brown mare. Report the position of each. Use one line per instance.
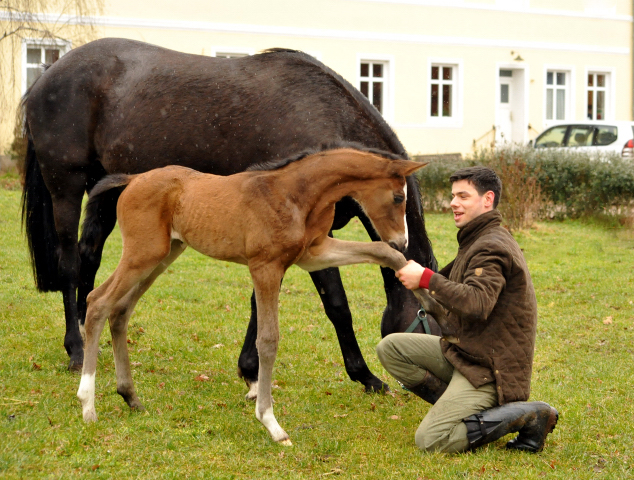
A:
(267, 220)
(121, 106)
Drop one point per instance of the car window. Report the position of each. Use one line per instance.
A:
(553, 137)
(605, 135)
(580, 136)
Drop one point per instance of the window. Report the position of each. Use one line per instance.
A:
(228, 51)
(597, 87)
(442, 91)
(605, 135)
(557, 95)
(230, 55)
(372, 82)
(36, 56)
(580, 136)
(577, 136)
(553, 137)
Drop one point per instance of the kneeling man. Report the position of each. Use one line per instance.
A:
(478, 373)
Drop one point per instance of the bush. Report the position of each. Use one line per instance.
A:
(541, 183)
(581, 185)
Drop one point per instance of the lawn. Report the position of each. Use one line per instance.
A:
(191, 323)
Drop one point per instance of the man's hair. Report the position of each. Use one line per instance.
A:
(482, 178)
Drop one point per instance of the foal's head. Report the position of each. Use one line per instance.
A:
(383, 200)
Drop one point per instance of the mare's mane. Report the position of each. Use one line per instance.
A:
(324, 147)
(389, 136)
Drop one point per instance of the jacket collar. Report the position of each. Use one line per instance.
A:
(473, 229)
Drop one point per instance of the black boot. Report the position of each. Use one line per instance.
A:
(533, 420)
(430, 389)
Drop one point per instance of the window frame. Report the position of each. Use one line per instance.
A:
(388, 80)
(610, 97)
(42, 43)
(570, 97)
(456, 118)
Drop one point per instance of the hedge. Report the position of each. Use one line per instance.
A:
(541, 182)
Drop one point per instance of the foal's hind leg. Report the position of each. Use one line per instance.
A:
(136, 266)
(98, 310)
(119, 320)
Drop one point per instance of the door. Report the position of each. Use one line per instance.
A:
(504, 128)
(510, 124)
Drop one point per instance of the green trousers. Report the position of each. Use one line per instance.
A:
(408, 357)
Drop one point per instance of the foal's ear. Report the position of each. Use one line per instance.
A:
(406, 167)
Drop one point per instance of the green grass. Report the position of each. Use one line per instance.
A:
(193, 321)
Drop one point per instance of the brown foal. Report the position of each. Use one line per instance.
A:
(267, 220)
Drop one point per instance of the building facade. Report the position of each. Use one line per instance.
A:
(449, 76)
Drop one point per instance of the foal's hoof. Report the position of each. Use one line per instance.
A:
(287, 442)
(90, 416)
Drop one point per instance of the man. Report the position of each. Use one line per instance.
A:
(478, 374)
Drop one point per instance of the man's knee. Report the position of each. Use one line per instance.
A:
(442, 439)
(385, 348)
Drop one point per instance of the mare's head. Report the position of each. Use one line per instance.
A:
(383, 200)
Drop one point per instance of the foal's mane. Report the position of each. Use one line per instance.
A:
(324, 147)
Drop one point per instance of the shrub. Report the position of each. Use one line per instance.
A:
(541, 182)
(581, 184)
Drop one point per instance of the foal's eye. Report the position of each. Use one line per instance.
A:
(398, 199)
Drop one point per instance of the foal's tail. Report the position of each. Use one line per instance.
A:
(106, 191)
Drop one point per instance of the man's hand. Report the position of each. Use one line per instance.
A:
(410, 275)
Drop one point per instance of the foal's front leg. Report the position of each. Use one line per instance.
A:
(336, 253)
(266, 282)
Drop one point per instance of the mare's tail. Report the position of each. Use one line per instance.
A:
(38, 221)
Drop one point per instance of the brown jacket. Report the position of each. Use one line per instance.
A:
(489, 333)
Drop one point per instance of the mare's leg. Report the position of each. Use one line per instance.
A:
(266, 282)
(119, 320)
(95, 230)
(67, 211)
(248, 362)
(333, 296)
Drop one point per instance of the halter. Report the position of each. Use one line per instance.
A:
(421, 316)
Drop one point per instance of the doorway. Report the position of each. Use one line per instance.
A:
(510, 125)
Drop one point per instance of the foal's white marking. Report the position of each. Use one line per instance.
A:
(86, 395)
(405, 216)
(270, 423)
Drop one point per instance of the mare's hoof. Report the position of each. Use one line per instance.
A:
(286, 442)
(75, 366)
(377, 387)
(252, 394)
(137, 408)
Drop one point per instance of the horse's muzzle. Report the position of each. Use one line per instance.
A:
(400, 245)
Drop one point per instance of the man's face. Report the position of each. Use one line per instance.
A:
(467, 203)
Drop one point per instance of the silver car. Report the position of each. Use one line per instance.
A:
(590, 136)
